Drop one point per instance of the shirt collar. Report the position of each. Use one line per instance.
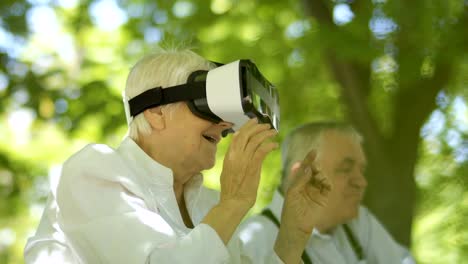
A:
(158, 181)
(154, 172)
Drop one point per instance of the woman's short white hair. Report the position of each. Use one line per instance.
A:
(161, 69)
(306, 137)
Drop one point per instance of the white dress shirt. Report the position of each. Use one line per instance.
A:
(259, 233)
(118, 206)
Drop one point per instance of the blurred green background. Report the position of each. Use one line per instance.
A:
(397, 70)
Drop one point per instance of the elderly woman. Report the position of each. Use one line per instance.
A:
(144, 201)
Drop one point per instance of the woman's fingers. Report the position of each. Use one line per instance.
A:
(243, 137)
(255, 164)
(248, 144)
(243, 161)
(255, 160)
(239, 136)
(257, 140)
(247, 140)
(263, 150)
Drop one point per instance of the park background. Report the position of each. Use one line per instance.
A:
(397, 70)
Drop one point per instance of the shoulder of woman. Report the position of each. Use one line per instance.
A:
(96, 161)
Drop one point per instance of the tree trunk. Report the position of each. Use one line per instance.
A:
(391, 193)
(391, 190)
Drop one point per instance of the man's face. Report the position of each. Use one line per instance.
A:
(342, 160)
(193, 141)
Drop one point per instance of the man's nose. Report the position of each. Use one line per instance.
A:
(359, 180)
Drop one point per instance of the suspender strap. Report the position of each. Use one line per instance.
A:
(349, 234)
(305, 258)
(354, 243)
(269, 214)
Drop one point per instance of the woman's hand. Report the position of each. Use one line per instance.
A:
(240, 177)
(243, 163)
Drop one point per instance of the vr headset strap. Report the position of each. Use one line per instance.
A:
(159, 96)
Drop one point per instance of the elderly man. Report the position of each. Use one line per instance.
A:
(345, 232)
(144, 201)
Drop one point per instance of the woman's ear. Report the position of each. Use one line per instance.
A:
(155, 118)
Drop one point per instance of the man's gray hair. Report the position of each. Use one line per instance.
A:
(306, 137)
(164, 68)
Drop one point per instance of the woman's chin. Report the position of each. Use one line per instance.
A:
(208, 164)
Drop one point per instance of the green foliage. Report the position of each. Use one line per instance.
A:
(60, 88)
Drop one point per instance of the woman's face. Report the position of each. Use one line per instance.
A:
(192, 141)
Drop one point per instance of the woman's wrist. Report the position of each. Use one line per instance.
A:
(234, 207)
(224, 219)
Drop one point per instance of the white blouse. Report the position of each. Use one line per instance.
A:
(118, 206)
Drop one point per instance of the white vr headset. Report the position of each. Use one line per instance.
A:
(235, 92)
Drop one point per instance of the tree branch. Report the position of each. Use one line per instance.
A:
(320, 10)
(353, 78)
(411, 113)
(351, 85)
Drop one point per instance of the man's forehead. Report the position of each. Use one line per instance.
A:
(349, 160)
(342, 146)
(331, 138)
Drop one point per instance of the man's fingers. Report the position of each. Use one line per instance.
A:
(316, 195)
(309, 163)
(301, 176)
(320, 182)
(310, 158)
(325, 187)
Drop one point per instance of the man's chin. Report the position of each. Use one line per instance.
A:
(354, 212)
